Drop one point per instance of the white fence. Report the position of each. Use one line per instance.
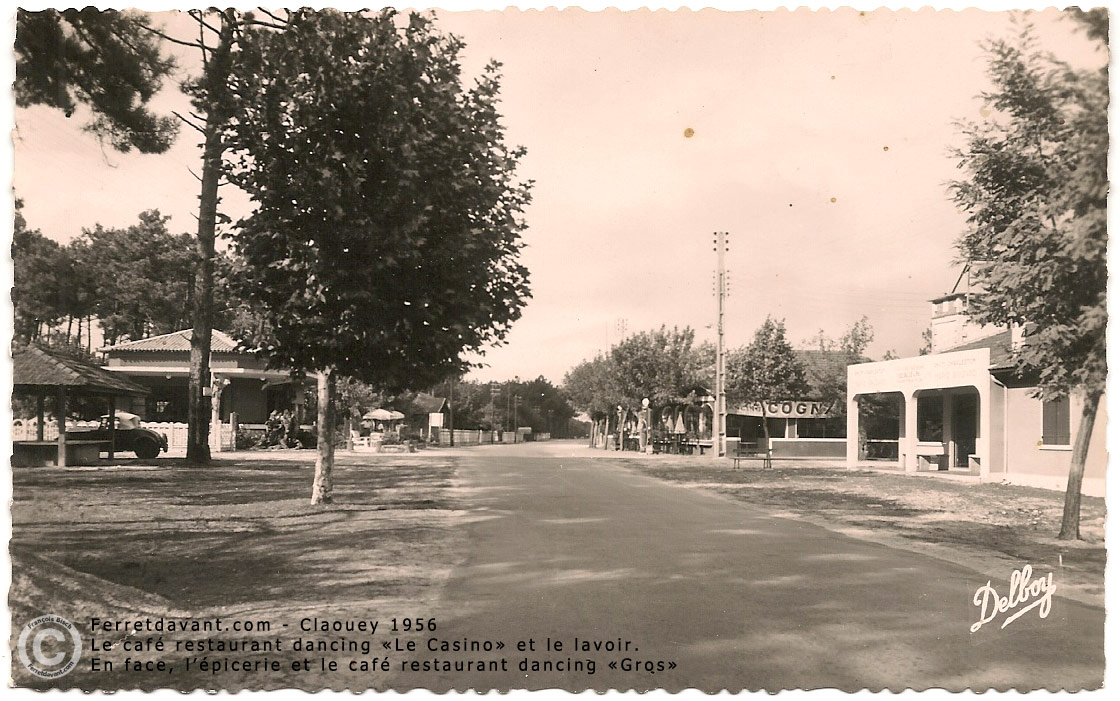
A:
(478, 437)
(466, 437)
(176, 432)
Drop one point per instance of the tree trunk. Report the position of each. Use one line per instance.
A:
(198, 409)
(323, 487)
(1071, 514)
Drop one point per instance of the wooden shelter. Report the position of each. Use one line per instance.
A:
(40, 372)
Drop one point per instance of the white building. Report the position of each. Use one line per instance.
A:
(964, 409)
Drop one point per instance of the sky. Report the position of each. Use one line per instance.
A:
(819, 141)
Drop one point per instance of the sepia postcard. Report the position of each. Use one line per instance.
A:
(554, 349)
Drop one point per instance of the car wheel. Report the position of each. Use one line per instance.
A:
(146, 450)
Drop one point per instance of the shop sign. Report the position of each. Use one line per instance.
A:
(789, 409)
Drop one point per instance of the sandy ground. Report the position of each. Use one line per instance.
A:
(237, 540)
(990, 527)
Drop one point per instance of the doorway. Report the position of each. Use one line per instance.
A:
(965, 410)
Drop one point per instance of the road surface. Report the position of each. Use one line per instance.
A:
(712, 593)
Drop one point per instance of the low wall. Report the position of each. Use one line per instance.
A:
(466, 437)
(826, 448)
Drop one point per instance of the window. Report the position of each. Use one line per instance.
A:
(1055, 422)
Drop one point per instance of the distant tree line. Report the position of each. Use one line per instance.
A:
(133, 282)
(667, 366)
(505, 406)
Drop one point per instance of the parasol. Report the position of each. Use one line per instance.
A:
(383, 415)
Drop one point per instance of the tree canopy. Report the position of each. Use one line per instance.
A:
(767, 369)
(385, 236)
(1035, 191)
(137, 280)
(591, 386)
(40, 265)
(109, 60)
(662, 365)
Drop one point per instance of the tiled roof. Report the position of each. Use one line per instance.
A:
(39, 367)
(176, 342)
(1000, 345)
(419, 403)
(429, 403)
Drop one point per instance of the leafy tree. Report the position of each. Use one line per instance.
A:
(387, 220)
(108, 60)
(660, 365)
(39, 266)
(470, 404)
(543, 407)
(766, 370)
(138, 279)
(590, 386)
(1035, 194)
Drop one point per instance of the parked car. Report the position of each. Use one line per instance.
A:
(145, 442)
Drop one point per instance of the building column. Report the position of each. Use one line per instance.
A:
(950, 446)
(60, 412)
(908, 437)
(852, 442)
(986, 430)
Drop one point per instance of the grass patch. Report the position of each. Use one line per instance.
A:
(237, 540)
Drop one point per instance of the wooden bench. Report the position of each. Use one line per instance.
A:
(752, 451)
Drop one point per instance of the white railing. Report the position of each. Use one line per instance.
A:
(26, 430)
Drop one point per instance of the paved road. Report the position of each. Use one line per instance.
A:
(563, 547)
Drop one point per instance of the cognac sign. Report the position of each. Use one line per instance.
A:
(789, 409)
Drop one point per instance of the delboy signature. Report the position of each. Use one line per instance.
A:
(1021, 590)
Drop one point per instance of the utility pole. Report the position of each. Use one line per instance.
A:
(719, 433)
